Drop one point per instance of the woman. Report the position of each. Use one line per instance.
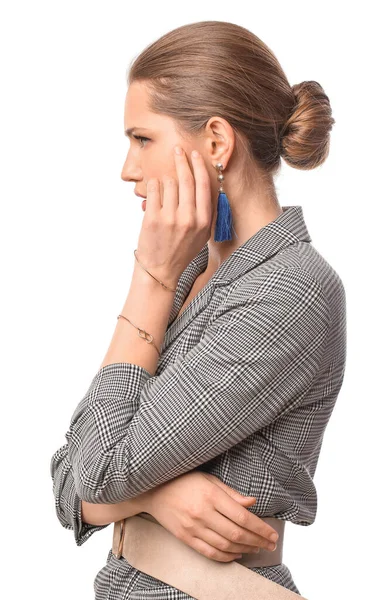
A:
(229, 352)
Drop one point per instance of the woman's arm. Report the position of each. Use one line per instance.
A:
(255, 361)
(201, 511)
(148, 306)
(103, 514)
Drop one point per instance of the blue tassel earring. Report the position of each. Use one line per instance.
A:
(224, 217)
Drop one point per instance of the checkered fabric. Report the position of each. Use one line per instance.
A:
(247, 380)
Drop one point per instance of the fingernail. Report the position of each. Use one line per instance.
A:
(178, 150)
(195, 153)
(274, 537)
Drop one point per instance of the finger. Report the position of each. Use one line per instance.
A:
(186, 183)
(244, 499)
(237, 537)
(230, 491)
(210, 552)
(240, 516)
(213, 537)
(204, 209)
(153, 201)
(170, 200)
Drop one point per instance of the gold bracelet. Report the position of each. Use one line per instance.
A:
(142, 333)
(142, 266)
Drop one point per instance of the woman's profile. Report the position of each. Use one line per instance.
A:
(209, 409)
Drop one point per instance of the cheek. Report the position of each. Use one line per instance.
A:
(160, 164)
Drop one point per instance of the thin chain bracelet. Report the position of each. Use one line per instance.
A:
(142, 266)
(142, 333)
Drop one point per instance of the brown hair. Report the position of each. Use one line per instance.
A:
(218, 68)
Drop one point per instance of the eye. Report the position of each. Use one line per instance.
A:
(141, 138)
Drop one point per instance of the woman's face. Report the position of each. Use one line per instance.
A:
(153, 156)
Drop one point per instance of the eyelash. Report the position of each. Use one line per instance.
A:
(140, 137)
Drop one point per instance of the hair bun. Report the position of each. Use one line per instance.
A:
(305, 136)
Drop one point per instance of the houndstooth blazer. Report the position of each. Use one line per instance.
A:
(247, 380)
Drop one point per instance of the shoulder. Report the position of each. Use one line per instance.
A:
(280, 286)
(293, 274)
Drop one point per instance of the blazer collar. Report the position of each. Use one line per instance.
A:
(287, 229)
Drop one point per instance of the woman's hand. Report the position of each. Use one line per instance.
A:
(209, 516)
(177, 224)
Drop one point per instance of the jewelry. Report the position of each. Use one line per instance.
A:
(142, 266)
(142, 333)
(224, 217)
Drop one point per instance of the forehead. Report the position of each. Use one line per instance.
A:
(136, 98)
(137, 113)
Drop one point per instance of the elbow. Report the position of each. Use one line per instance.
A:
(88, 495)
(100, 489)
(102, 495)
(104, 483)
(86, 489)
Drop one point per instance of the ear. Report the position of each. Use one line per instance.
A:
(219, 140)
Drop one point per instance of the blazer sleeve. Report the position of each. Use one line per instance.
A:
(67, 502)
(255, 361)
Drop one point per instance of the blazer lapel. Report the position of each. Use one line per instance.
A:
(185, 283)
(287, 229)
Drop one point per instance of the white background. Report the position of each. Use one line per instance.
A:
(69, 225)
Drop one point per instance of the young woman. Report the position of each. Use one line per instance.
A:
(209, 408)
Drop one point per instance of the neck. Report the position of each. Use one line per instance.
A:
(247, 218)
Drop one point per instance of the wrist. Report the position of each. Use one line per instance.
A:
(168, 278)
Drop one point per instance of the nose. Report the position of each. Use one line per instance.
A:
(130, 171)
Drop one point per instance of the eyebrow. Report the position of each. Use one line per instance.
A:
(128, 132)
